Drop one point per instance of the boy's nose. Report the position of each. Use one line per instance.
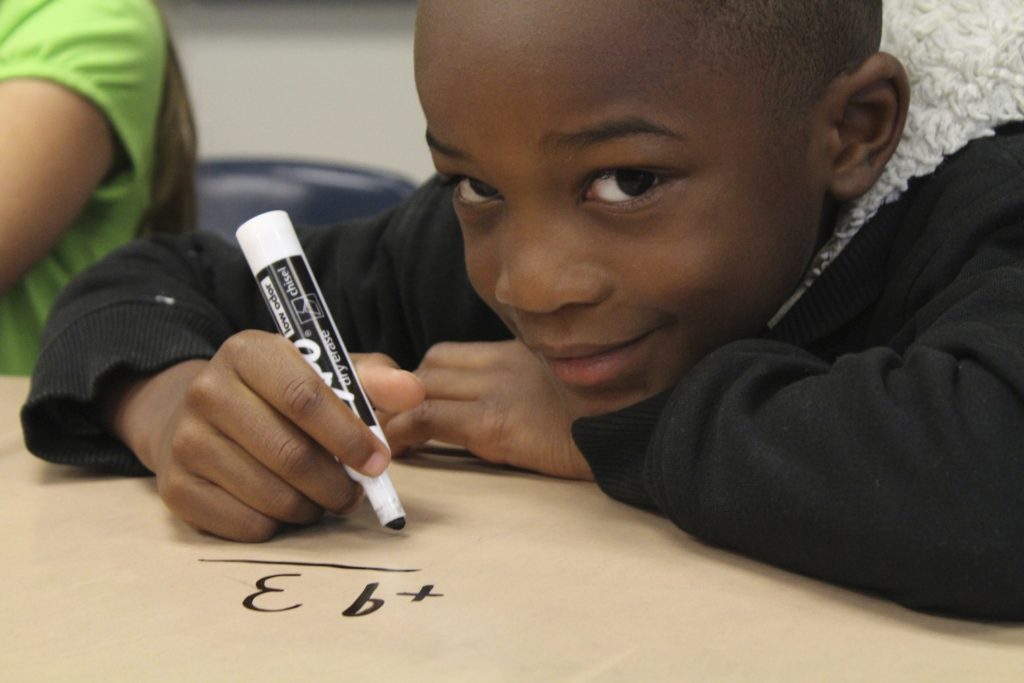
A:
(544, 269)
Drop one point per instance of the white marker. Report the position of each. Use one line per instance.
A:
(300, 313)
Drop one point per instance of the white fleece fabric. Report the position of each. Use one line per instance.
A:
(965, 60)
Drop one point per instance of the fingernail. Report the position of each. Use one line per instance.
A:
(375, 464)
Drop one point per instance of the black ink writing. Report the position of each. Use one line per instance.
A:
(359, 608)
(365, 603)
(250, 600)
(424, 593)
(323, 565)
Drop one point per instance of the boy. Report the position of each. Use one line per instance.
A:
(648, 196)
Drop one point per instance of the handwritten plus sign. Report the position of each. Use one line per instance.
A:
(425, 592)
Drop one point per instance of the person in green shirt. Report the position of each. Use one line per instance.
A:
(97, 145)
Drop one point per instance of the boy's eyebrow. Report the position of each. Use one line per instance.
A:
(444, 149)
(603, 132)
(607, 131)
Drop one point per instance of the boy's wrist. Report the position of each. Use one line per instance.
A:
(138, 410)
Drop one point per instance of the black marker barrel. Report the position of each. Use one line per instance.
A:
(300, 312)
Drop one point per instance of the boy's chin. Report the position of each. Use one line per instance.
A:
(593, 404)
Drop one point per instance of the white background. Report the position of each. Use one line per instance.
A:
(320, 79)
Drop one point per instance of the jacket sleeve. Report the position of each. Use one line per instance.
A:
(897, 467)
(395, 284)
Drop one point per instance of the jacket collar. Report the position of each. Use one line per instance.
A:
(966, 71)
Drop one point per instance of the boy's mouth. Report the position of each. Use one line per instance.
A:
(593, 365)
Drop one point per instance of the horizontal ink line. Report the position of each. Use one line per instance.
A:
(324, 565)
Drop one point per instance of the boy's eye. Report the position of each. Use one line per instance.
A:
(473, 191)
(620, 185)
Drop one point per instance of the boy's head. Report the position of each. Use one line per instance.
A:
(795, 47)
(641, 183)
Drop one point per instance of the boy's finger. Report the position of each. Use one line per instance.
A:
(289, 462)
(286, 382)
(233, 469)
(207, 507)
(468, 355)
(456, 384)
(229, 415)
(363, 361)
(458, 423)
(391, 389)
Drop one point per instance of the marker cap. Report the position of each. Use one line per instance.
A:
(267, 238)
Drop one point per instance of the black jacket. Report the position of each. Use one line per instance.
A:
(875, 437)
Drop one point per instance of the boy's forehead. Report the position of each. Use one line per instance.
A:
(570, 63)
(567, 17)
(644, 40)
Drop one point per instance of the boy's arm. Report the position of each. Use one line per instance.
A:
(896, 468)
(142, 309)
(162, 301)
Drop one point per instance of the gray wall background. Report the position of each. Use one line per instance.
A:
(322, 79)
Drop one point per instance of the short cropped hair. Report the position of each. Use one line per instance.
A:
(799, 46)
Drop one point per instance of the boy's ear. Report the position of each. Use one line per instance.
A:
(864, 111)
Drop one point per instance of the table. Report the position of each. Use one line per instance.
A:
(499, 576)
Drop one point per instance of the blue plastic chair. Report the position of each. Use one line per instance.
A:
(231, 191)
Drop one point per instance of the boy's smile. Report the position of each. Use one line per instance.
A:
(625, 204)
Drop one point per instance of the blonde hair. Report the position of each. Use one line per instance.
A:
(172, 207)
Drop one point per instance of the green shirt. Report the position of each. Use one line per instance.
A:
(111, 52)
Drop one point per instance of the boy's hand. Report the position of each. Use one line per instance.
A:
(496, 400)
(252, 439)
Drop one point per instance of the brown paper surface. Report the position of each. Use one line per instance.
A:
(499, 576)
